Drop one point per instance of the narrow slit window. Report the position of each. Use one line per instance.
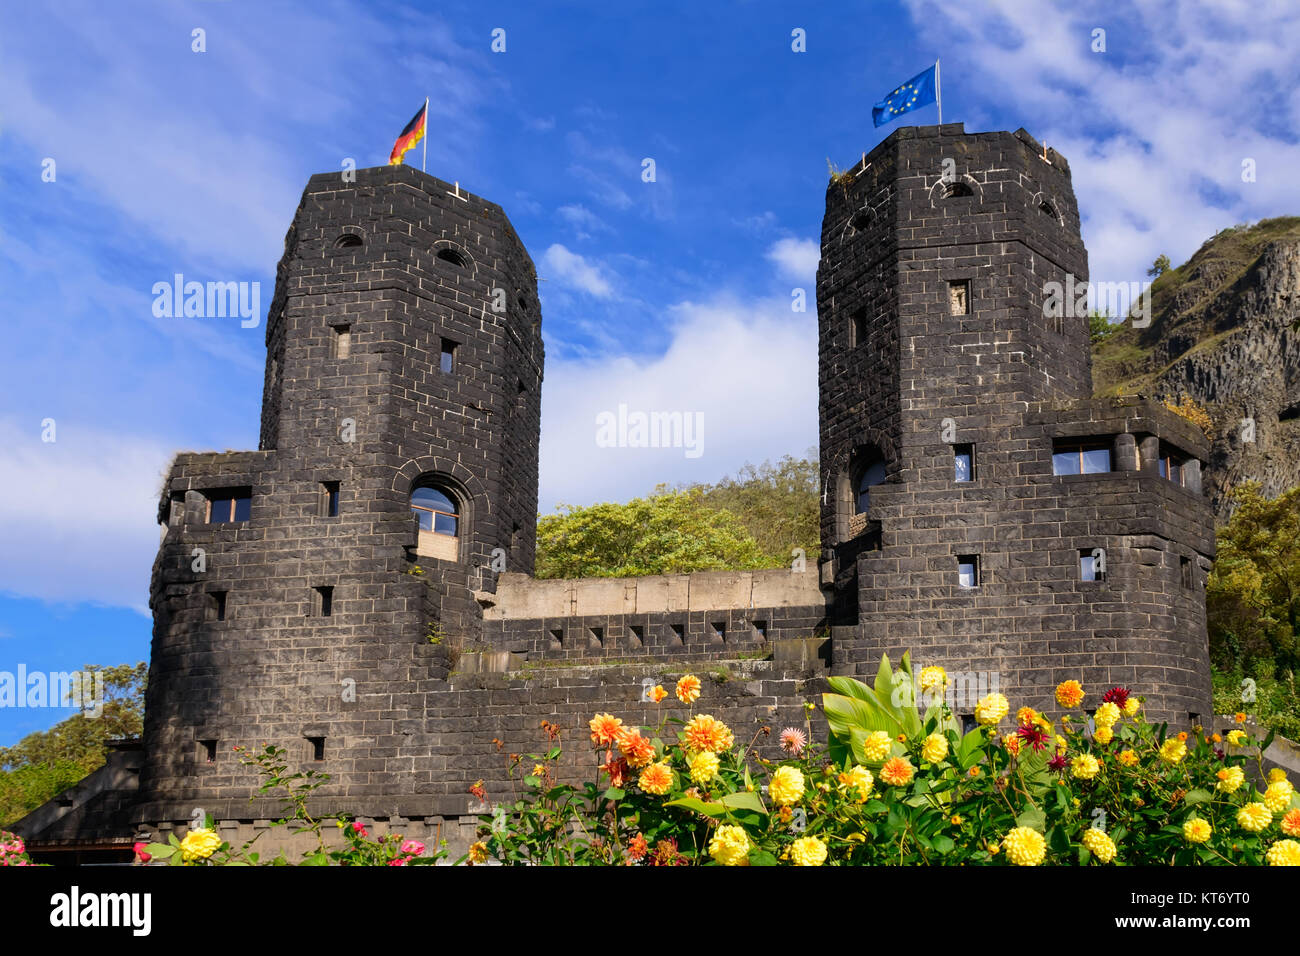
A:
(858, 328)
(208, 751)
(959, 297)
(760, 629)
(1185, 572)
(329, 499)
(448, 360)
(968, 571)
(218, 605)
(324, 601)
(963, 459)
(1092, 564)
(317, 745)
(342, 341)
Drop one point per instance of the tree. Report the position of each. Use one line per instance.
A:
(1159, 267)
(1253, 595)
(668, 532)
(1100, 327)
(777, 504)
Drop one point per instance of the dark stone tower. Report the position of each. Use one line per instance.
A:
(296, 595)
(954, 387)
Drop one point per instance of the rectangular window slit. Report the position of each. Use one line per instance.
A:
(324, 601)
(317, 747)
(208, 751)
(1092, 564)
(342, 341)
(968, 570)
(1185, 571)
(218, 605)
(448, 361)
(760, 630)
(329, 499)
(959, 297)
(963, 459)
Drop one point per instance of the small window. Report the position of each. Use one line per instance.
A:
(959, 297)
(676, 635)
(208, 751)
(348, 241)
(1185, 572)
(1047, 209)
(719, 632)
(597, 636)
(1080, 458)
(968, 570)
(963, 458)
(324, 601)
(329, 499)
(218, 605)
(1092, 564)
(317, 745)
(453, 256)
(861, 219)
(436, 511)
(229, 506)
(858, 328)
(968, 723)
(955, 190)
(872, 475)
(760, 630)
(342, 345)
(557, 638)
(448, 360)
(1171, 466)
(636, 635)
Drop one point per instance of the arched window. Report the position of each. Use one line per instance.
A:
(871, 475)
(439, 516)
(453, 256)
(956, 189)
(1047, 209)
(348, 241)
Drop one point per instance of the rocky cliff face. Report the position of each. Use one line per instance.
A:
(1223, 332)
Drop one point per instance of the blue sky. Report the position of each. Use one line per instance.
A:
(672, 295)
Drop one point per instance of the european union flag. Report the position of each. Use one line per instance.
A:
(919, 91)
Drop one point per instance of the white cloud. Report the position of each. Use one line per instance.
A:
(79, 513)
(584, 221)
(795, 258)
(571, 269)
(749, 367)
(1146, 125)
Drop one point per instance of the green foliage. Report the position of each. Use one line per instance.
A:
(755, 520)
(1273, 700)
(47, 762)
(1100, 327)
(669, 532)
(1160, 266)
(1253, 594)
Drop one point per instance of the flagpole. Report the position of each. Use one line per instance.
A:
(424, 161)
(938, 94)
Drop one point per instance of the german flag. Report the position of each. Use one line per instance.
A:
(412, 134)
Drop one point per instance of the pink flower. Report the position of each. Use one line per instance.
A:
(793, 741)
(359, 827)
(140, 853)
(413, 847)
(400, 861)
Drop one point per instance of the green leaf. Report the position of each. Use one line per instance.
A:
(614, 793)
(160, 851)
(1197, 796)
(316, 859)
(759, 857)
(943, 844)
(1032, 817)
(744, 800)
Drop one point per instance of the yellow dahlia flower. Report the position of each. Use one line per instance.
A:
(1026, 715)
(1106, 715)
(704, 767)
(1276, 775)
(1099, 844)
(1236, 737)
(1103, 734)
(1173, 750)
(1131, 707)
(730, 845)
(934, 678)
(1254, 817)
(1069, 693)
(199, 844)
(877, 745)
(1084, 767)
(935, 747)
(1196, 830)
(1230, 778)
(859, 780)
(1128, 758)
(1283, 853)
(808, 851)
(786, 786)
(1278, 796)
(991, 709)
(1025, 846)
